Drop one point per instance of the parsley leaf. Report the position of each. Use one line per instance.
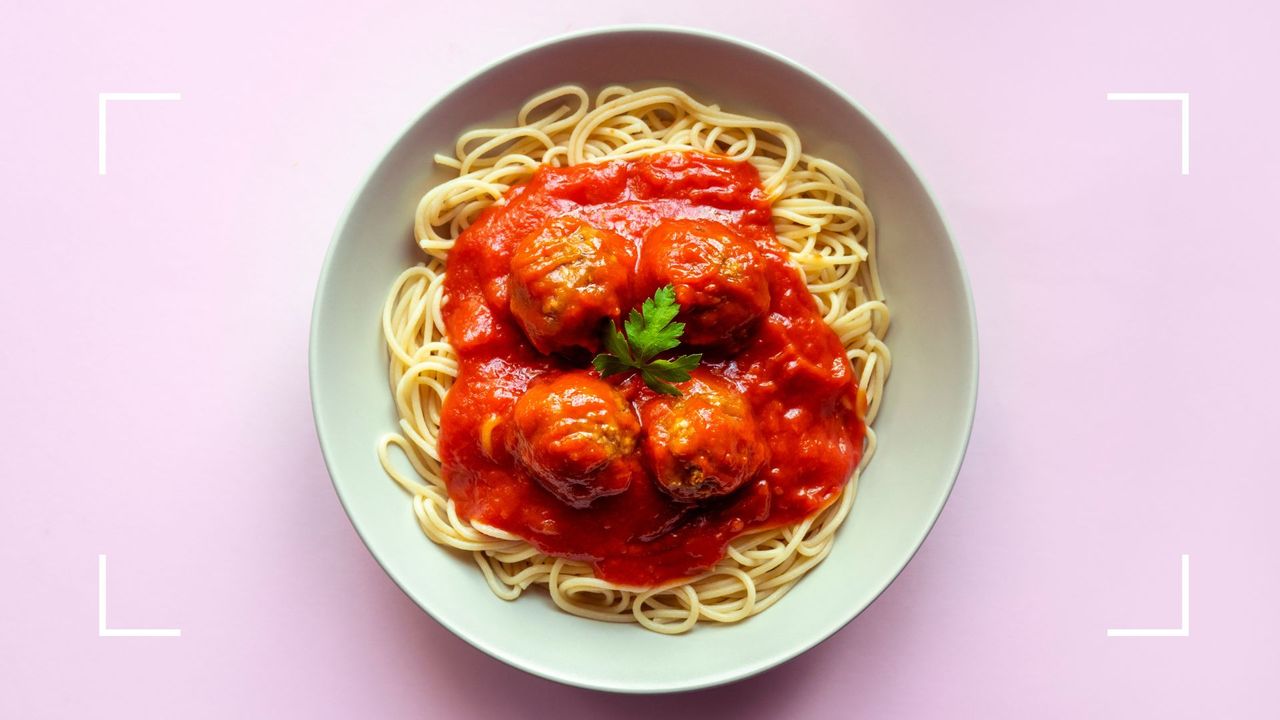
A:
(609, 365)
(675, 370)
(617, 345)
(649, 331)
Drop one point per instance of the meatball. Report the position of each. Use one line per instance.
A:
(704, 443)
(572, 434)
(566, 279)
(717, 274)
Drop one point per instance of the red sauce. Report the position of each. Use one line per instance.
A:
(792, 369)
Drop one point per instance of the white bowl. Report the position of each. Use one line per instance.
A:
(923, 425)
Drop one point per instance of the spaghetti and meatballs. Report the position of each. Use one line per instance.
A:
(674, 487)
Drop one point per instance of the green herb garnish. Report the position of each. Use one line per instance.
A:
(649, 331)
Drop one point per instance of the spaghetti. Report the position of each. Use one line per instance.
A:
(819, 217)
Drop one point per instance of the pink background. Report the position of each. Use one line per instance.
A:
(154, 386)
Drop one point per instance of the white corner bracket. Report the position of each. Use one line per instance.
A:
(104, 631)
(1185, 99)
(103, 99)
(1184, 630)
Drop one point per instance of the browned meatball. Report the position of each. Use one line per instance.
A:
(566, 279)
(572, 434)
(718, 277)
(705, 443)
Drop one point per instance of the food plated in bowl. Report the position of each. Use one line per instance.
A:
(639, 359)
(637, 364)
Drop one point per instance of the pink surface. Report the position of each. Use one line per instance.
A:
(154, 385)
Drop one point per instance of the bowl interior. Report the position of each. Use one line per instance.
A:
(923, 426)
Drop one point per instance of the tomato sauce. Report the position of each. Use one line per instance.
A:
(793, 370)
